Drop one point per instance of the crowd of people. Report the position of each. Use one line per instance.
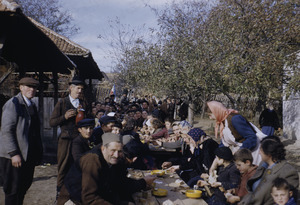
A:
(100, 141)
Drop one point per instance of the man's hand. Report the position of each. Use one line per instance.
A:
(149, 179)
(70, 113)
(166, 165)
(16, 161)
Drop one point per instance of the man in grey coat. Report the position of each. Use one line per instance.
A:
(20, 142)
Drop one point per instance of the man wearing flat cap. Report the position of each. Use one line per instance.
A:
(20, 142)
(82, 143)
(64, 116)
(99, 177)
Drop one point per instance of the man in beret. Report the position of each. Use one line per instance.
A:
(82, 143)
(64, 116)
(20, 142)
(98, 177)
(106, 125)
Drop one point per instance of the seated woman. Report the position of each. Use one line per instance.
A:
(273, 165)
(158, 129)
(236, 132)
(196, 166)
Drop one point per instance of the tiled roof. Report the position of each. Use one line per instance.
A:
(67, 46)
(8, 5)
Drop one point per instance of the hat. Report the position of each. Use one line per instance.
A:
(126, 139)
(104, 120)
(110, 137)
(29, 82)
(224, 153)
(77, 81)
(86, 123)
(196, 134)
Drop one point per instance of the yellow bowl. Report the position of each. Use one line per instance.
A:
(193, 193)
(160, 192)
(158, 172)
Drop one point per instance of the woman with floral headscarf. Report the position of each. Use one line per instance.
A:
(236, 132)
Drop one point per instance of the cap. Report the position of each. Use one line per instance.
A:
(110, 137)
(224, 153)
(126, 139)
(77, 81)
(104, 120)
(86, 123)
(29, 82)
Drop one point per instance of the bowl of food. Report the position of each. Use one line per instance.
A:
(159, 192)
(158, 172)
(194, 194)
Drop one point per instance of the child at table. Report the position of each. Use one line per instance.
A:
(282, 193)
(228, 176)
(243, 161)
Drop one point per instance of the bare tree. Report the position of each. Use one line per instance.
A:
(50, 14)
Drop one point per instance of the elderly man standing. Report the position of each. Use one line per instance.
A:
(20, 142)
(99, 177)
(64, 115)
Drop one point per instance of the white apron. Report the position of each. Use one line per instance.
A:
(229, 141)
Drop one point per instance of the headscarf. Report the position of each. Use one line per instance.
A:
(221, 113)
(196, 134)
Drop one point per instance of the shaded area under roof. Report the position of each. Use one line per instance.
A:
(25, 44)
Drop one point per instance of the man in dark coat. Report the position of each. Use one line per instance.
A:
(98, 177)
(64, 115)
(20, 142)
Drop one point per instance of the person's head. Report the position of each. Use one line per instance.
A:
(243, 160)
(130, 125)
(76, 87)
(111, 148)
(117, 127)
(85, 127)
(100, 113)
(281, 191)
(132, 149)
(138, 114)
(224, 155)
(168, 123)
(98, 105)
(156, 123)
(107, 100)
(272, 150)
(145, 105)
(185, 127)
(94, 111)
(197, 135)
(107, 123)
(144, 114)
(107, 107)
(176, 129)
(28, 87)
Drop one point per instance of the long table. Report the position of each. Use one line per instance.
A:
(176, 189)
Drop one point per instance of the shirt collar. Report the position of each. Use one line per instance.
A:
(27, 101)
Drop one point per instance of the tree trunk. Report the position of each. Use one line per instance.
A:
(191, 113)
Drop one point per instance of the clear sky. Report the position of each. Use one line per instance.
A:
(92, 17)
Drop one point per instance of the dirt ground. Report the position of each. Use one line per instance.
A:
(43, 189)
